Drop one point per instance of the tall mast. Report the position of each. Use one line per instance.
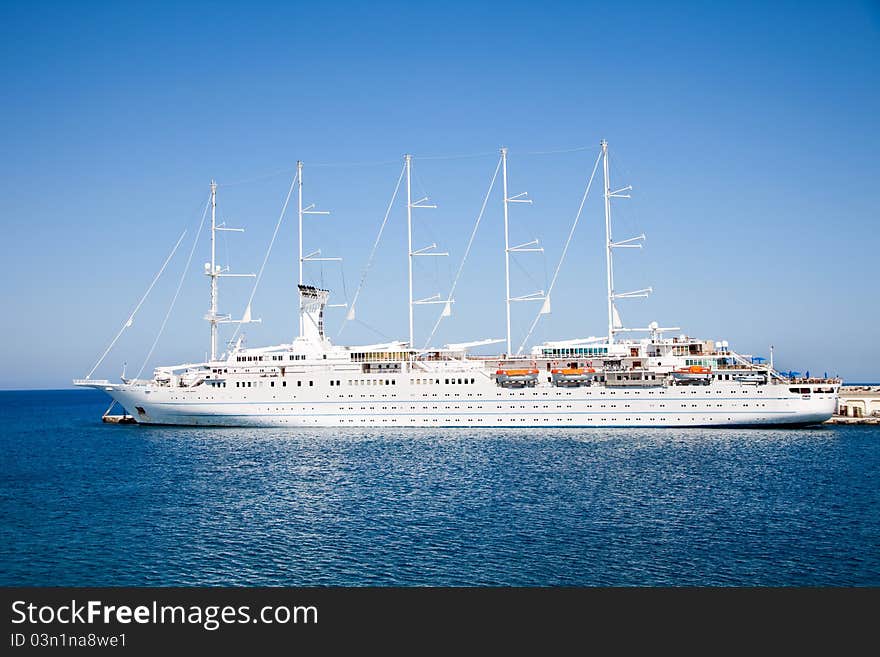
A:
(520, 248)
(506, 247)
(308, 257)
(427, 251)
(213, 273)
(299, 184)
(631, 243)
(608, 265)
(409, 249)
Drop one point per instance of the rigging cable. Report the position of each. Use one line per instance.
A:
(376, 163)
(564, 251)
(561, 151)
(466, 251)
(266, 257)
(375, 330)
(342, 274)
(177, 292)
(130, 319)
(345, 165)
(465, 156)
(350, 314)
(257, 178)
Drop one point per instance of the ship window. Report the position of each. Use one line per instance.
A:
(272, 384)
(299, 384)
(284, 384)
(311, 383)
(331, 384)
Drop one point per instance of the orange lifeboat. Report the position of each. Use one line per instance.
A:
(521, 372)
(572, 376)
(517, 378)
(572, 371)
(697, 374)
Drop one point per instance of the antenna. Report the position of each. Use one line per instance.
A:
(614, 323)
(527, 247)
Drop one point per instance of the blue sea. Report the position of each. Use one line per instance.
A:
(88, 504)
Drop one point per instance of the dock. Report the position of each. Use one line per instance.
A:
(857, 405)
(842, 419)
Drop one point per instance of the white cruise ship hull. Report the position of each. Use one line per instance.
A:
(580, 382)
(475, 405)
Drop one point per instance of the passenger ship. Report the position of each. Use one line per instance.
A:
(612, 381)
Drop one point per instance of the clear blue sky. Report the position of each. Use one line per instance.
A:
(749, 132)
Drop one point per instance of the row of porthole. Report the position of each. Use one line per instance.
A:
(745, 405)
(663, 419)
(542, 419)
(248, 384)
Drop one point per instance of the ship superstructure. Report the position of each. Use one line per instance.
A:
(616, 380)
